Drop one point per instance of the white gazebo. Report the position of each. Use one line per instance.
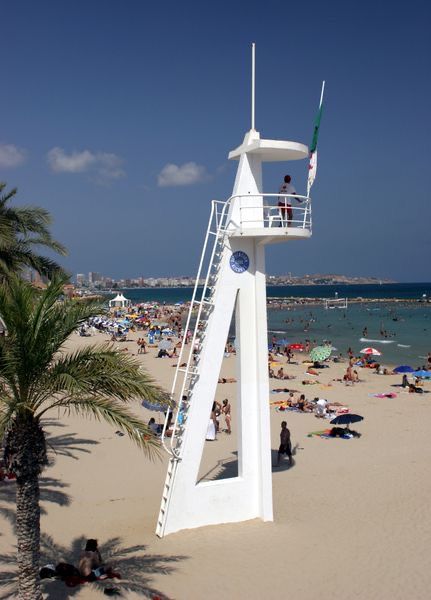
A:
(119, 302)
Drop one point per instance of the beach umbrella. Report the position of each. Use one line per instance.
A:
(296, 347)
(320, 353)
(422, 373)
(346, 419)
(403, 369)
(370, 351)
(158, 406)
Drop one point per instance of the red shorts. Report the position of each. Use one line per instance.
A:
(286, 211)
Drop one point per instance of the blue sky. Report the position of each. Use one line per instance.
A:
(118, 118)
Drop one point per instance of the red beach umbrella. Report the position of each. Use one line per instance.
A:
(370, 351)
(299, 347)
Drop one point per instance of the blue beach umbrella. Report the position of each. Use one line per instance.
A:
(422, 373)
(403, 369)
(158, 406)
(346, 419)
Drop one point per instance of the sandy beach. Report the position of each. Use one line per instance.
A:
(351, 517)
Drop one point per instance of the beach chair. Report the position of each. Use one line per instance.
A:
(275, 218)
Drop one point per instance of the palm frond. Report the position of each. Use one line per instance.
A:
(23, 231)
(117, 415)
(97, 372)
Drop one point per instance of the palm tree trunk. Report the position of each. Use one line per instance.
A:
(25, 452)
(28, 533)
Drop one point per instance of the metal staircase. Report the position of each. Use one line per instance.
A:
(191, 349)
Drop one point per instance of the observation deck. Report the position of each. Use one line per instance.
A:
(270, 217)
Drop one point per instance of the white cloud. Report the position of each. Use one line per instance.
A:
(187, 174)
(109, 166)
(76, 162)
(105, 165)
(11, 156)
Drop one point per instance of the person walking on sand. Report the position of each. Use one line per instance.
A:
(285, 444)
(284, 201)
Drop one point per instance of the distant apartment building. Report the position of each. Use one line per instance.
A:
(93, 277)
(151, 282)
(80, 279)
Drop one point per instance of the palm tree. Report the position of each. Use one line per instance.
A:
(22, 231)
(38, 375)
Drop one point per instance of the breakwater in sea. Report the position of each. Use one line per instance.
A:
(389, 291)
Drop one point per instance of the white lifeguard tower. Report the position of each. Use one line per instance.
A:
(233, 268)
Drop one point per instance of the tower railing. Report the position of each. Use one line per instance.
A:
(268, 210)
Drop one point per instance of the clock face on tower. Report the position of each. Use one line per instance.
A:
(239, 261)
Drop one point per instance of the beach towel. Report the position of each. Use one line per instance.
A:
(384, 395)
(211, 431)
(74, 580)
(326, 435)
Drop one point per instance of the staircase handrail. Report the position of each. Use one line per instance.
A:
(219, 229)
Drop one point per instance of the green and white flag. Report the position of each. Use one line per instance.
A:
(312, 165)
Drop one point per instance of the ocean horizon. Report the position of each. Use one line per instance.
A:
(402, 291)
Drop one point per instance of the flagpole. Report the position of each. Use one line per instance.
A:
(253, 68)
(321, 94)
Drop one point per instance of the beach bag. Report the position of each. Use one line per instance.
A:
(47, 573)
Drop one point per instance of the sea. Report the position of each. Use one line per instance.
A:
(399, 330)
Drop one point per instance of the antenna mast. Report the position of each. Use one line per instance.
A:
(253, 68)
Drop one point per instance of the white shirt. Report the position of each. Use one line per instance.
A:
(322, 402)
(287, 188)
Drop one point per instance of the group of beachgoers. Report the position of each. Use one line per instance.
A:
(217, 411)
(91, 567)
(162, 329)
